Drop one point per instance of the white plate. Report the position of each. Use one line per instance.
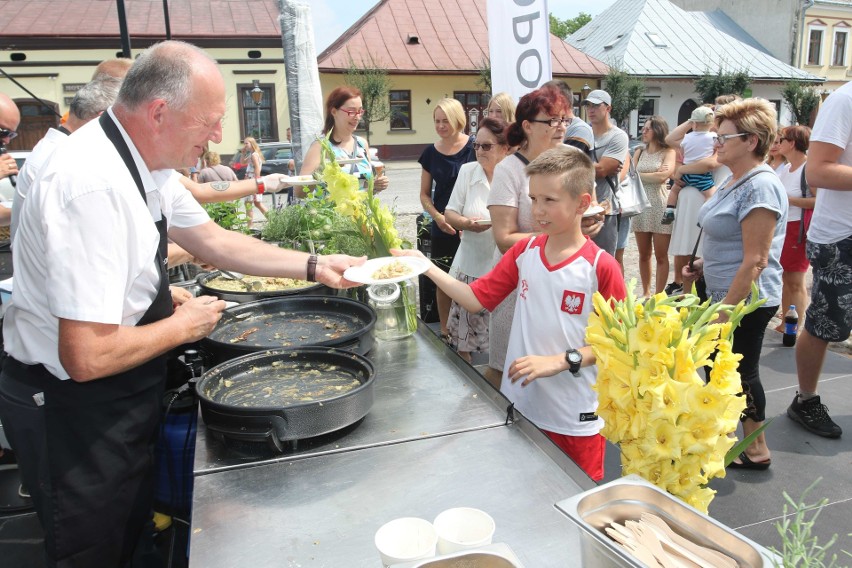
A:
(593, 210)
(364, 273)
(297, 181)
(482, 222)
(345, 161)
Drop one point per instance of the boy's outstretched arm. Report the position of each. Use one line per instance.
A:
(455, 289)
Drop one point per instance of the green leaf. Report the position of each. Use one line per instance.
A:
(740, 446)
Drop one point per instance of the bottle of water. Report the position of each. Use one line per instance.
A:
(791, 327)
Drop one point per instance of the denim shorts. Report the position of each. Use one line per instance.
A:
(829, 316)
(623, 231)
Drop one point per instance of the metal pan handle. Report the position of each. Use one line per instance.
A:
(244, 435)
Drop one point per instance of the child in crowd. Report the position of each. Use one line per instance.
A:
(556, 272)
(696, 145)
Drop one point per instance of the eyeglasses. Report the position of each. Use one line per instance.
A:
(484, 147)
(552, 121)
(6, 133)
(722, 138)
(352, 112)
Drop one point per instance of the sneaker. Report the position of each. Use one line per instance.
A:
(668, 217)
(813, 416)
(673, 289)
(23, 493)
(8, 460)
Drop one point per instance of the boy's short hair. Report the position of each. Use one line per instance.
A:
(573, 165)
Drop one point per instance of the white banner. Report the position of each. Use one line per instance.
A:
(519, 44)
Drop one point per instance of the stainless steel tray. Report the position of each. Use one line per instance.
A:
(496, 555)
(628, 498)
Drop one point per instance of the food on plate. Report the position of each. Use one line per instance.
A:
(266, 284)
(393, 269)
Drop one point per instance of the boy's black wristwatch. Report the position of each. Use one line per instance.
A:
(575, 359)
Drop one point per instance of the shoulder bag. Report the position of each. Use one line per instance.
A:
(632, 197)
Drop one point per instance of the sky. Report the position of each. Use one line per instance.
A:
(333, 17)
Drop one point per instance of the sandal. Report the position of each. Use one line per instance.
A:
(747, 463)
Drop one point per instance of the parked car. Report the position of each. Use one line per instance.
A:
(7, 191)
(276, 158)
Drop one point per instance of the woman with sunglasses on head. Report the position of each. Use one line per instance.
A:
(441, 163)
(343, 112)
(540, 123)
(467, 212)
(743, 226)
(792, 144)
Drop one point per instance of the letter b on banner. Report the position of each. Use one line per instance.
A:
(519, 44)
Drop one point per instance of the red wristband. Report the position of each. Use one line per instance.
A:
(261, 187)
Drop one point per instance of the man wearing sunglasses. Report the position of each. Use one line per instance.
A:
(10, 117)
(608, 154)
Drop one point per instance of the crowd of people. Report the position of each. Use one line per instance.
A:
(526, 226)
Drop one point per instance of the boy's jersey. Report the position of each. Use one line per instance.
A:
(551, 313)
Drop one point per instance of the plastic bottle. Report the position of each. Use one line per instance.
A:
(791, 327)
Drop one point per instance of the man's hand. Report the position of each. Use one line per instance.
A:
(179, 295)
(200, 315)
(536, 366)
(8, 166)
(274, 182)
(330, 269)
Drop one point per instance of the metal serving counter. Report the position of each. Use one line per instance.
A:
(437, 437)
(325, 510)
(422, 389)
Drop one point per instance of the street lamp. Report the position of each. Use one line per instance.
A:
(586, 90)
(257, 96)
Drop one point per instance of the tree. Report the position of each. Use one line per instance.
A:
(484, 79)
(802, 99)
(375, 84)
(566, 27)
(627, 93)
(710, 85)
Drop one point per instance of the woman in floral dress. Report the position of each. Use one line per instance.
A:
(655, 163)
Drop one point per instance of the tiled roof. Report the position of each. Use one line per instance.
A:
(692, 43)
(99, 18)
(452, 37)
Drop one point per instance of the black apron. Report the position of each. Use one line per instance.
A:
(96, 474)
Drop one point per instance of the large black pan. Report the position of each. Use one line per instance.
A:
(286, 394)
(250, 296)
(291, 321)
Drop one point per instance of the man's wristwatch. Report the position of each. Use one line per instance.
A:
(575, 359)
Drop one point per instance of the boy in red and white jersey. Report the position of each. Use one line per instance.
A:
(555, 274)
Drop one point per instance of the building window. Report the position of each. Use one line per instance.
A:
(472, 100)
(647, 110)
(815, 46)
(400, 107)
(266, 130)
(838, 55)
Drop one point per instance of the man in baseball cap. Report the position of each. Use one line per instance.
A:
(597, 97)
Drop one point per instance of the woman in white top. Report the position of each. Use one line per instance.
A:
(467, 212)
(793, 143)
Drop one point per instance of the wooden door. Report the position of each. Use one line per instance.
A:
(35, 121)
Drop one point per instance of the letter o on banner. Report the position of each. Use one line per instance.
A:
(531, 83)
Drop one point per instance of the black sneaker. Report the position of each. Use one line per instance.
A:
(813, 416)
(673, 289)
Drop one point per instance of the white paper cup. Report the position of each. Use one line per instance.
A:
(463, 528)
(406, 539)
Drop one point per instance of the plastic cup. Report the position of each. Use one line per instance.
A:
(463, 528)
(406, 539)
(379, 168)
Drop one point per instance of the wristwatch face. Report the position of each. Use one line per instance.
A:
(574, 357)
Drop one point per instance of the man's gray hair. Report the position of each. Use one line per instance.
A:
(95, 97)
(163, 71)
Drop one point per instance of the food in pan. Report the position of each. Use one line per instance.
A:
(284, 383)
(392, 269)
(267, 284)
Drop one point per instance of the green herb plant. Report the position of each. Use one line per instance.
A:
(228, 215)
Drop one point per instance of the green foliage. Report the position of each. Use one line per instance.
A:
(800, 547)
(802, 99)
(484, 78)
(710, 85)
(372, 79)
(228, 215)
(627, 93)
(566, 27)
(314, 227)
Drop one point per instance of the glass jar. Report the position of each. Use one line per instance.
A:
(396, 309)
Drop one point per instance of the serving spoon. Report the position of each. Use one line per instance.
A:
(249, 286)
